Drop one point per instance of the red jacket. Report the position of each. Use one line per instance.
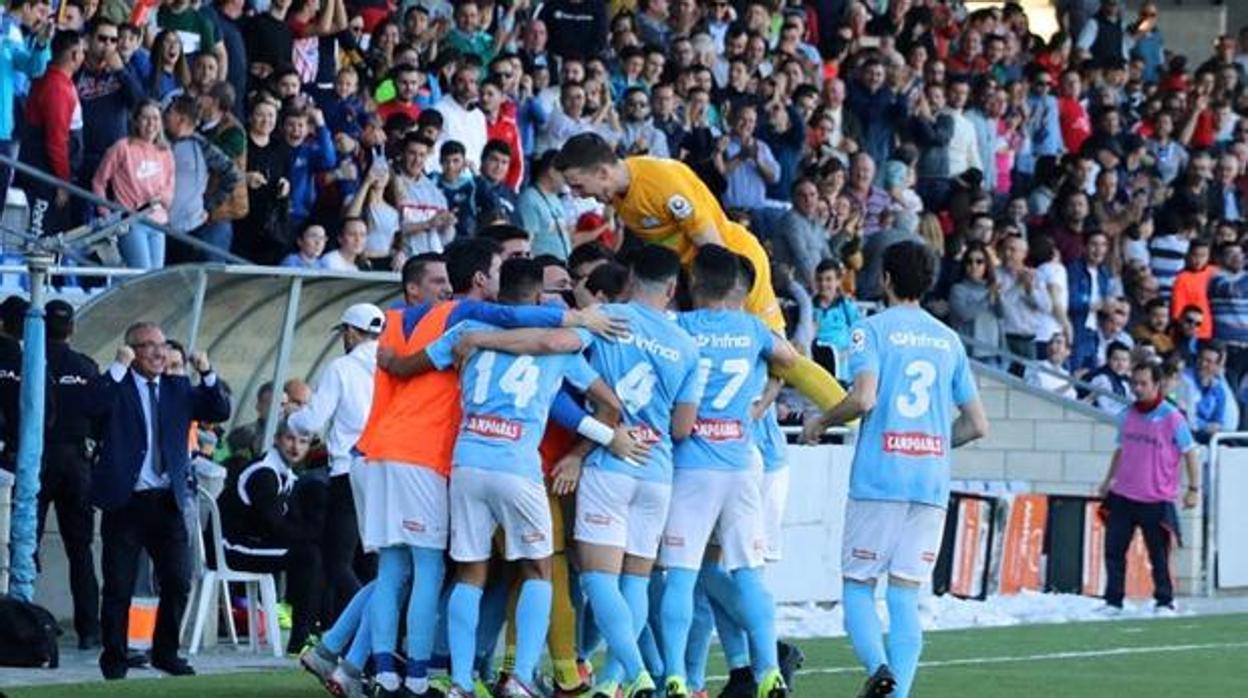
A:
(53, 105)
(505, 130)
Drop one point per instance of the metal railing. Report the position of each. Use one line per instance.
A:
(1033, 366)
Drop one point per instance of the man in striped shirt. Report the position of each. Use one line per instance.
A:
(1169, 252)
(1228, 297)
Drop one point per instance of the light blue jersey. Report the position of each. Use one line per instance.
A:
(923, 374)
(733, 347)
(651, 370)
(506, 400)
(771, 441)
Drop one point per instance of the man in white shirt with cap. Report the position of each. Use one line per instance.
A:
(338, 409)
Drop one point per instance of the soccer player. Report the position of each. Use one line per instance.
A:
(720, 469)
(496, 479)
(909, 371)
(663, 202)
(622, 506)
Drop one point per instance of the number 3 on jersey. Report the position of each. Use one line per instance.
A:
(519, 380)
(918, 399)
(636, 387)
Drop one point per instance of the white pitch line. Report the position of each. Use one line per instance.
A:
(1049, 656)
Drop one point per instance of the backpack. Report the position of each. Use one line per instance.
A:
(27, 635)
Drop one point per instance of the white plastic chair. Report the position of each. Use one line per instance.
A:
(255, 583)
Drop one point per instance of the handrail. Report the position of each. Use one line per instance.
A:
(1040, 366)
(91, 196)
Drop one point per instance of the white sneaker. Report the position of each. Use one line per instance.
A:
(1108, 611)
(1166, 611)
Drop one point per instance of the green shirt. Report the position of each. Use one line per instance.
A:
(196, 31)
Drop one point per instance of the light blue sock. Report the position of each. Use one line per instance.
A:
(441, 658)
(905, 635)
(422, 614)
(862, 624)
(614, 618)
(463, 610)
(700, 632)
(348, 624)
(611, 671)
(588, 639)
(362, 645)
(651, 640)
(733, 641)
(759, 614)
(394, 572)
(676, 612)
(493, 618)
(636, 591)
(532, 622)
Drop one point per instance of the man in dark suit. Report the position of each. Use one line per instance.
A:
(142, 481)
(1226, 203)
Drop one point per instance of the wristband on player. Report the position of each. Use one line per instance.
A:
(595, 431)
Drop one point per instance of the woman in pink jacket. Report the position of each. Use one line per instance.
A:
(135, 171)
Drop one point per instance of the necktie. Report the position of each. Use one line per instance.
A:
(154, 427)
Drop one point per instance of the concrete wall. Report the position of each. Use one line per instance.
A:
(1041, 443)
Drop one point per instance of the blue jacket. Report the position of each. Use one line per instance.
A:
(18, 54)
(882, 114)
(1079, 280)
(314, 155)
(122, 433)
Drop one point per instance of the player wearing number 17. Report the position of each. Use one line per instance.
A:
(910, 372)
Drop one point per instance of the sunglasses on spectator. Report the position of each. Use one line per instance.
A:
(1191, 321)
(103, 39)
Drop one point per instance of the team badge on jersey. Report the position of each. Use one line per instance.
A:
(857, 339)
(679, 207)
(650, 222)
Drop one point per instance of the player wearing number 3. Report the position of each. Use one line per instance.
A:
(621, 506)
(909, 372)
(663, 202)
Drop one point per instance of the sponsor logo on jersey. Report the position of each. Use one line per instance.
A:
(413, 526)
(724, 341)
(646, 434)
(863, 554)
(493, 427)
(533, 537)
(913, 443)
(719, 429)
(650, 345)
(906, 338)
(597, 519)
(674, 541)
(858, 340)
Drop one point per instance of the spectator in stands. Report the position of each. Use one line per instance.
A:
(975, 309)
(1191, 286)
(271, 526)
(464, 121)
(869, 200)
(835, 313)
(746, 163)
(170, 73)
(108, 93)
(1142, 483)
(53, 137)
(311, 246)
(931, 127)
(513, 241)
(1226, 197)
(500, 125)
(23, 57)
(1051, 275)
(226, 16)
(1168, 251)
(204, 176)
(1024, 300)
(219, 127)
(263, 235)
(458, 184)
(638, 133)
(801, 238)
(493, 195)
(542, 211)
(1206, 396)
(246, 441)
(269, 40)
(137, 171)
(879, 110)
(963, 149)
(1076, 125)
(349, 256)
(1051, 374)
(1091, 284)
(1112, 379)
(426, 222)
(1228, 299)
(1154, 327)
(1072, 225)
(311, 151)
(408, 80)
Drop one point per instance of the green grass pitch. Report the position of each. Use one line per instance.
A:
(1124, 659)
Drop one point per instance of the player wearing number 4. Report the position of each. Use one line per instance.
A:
(718, 470)
(909, 372)
(621, 506)
(663, 202)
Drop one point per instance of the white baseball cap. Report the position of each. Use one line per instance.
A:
(363, 316)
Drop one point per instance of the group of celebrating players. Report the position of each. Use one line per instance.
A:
(491, 409)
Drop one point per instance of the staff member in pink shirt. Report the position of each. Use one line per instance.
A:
(1142, 484)
(135, 171)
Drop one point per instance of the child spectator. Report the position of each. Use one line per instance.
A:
(459, 187)
(311, 245)
(835, 314)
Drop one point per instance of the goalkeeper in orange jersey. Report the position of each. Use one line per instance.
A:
(663, 202)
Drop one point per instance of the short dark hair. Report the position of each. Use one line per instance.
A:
(830, 265)
(465, 258)
(1212, 345)
(585, 150)
(911, 269)
(1115, 347)
(588, 253)
(1156, 303)
(502, 232)
(223, 94)
(184, 105)
(495, 145)
(654, 264)
(415, 137)
(549, 260)
(519, 279)
(1155, 369)
(97, 22)
(450, 148)
(715, 272)
(746, 273)
(414, 267)
(609, 279)
(64, 42)
(430, 117)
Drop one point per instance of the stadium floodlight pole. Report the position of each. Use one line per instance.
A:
(40, 254)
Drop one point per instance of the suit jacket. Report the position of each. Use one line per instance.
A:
(123, 433)
(1216, 201)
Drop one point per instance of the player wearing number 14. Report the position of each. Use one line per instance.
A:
(910, 371)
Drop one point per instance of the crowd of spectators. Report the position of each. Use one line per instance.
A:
(1086, 192)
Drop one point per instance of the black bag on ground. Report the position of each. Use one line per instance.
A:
(27, 635)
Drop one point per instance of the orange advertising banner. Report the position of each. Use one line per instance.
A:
(1023, 548)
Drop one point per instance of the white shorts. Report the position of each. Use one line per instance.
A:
(775, 497)
(483, 500)
(724, 501)
(619, 511)
(405, 504)
(901, 539)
